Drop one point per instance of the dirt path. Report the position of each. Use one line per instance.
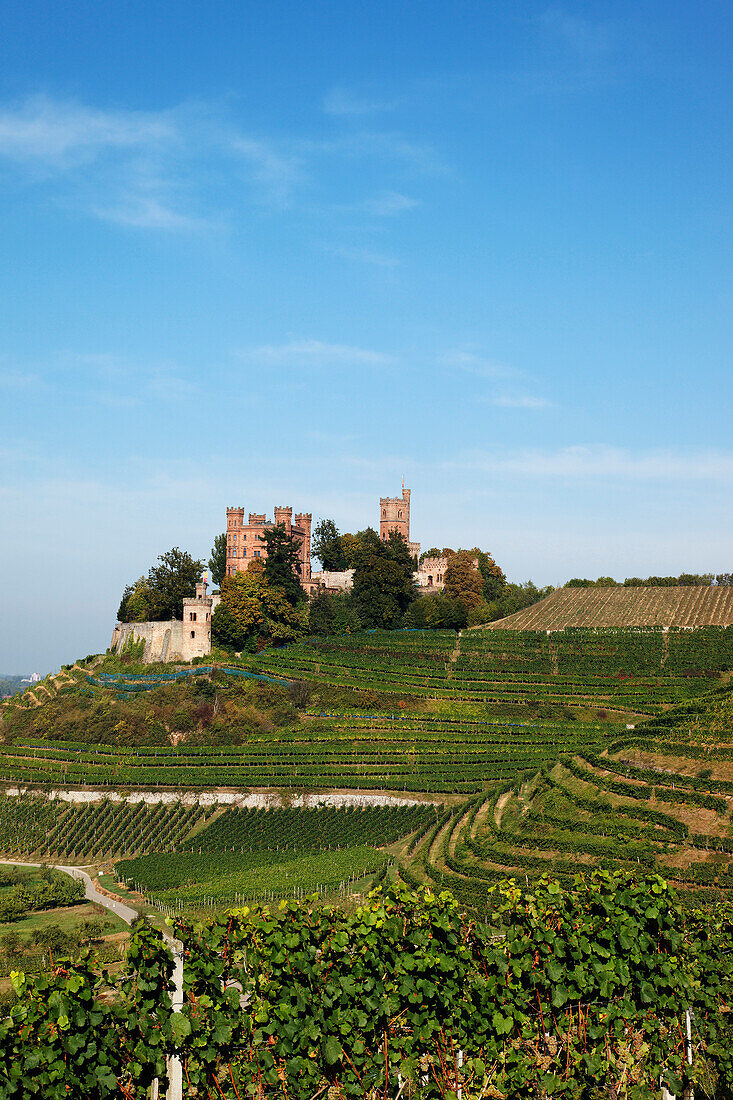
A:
(499, 807)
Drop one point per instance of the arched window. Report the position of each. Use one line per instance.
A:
(384, 513)
(399, 515)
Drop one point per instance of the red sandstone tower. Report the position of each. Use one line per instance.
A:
(394, 515)
(245, 541)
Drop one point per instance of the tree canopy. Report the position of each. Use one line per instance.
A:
(160, 595)
(218, 560)
(384, 583)
(282, 564)
(326, 546)
(252, 612)
(463, 581)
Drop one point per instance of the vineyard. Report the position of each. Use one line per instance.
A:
(584, 991)
(219, 879)
(32, 826)
(303, 830)
(356, 751)
(637, 671)
(614, 608)
(538, 752)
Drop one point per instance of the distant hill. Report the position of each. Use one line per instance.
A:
(609, 608)
(11, 685)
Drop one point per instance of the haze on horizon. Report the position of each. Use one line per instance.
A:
(287, 254)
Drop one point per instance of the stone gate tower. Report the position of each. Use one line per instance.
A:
(394, 515)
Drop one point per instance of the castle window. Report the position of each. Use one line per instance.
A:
(244, 552)
(399, 515)
(384, 513)
(193, 633)
(193, 616)
(257, 553)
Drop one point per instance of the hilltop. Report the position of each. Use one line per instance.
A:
(616, 608)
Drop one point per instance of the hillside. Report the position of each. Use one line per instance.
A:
(536, 753)
(10, 685)
(618, 608)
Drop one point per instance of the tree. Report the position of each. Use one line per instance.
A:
(136, 602)
(218, 560)
(282, 564)
(172, 581)
(384, 583)
(462, 580)
(326, 546)
(493, 577)
(251, 612)
(226, 630)
(436, 611)
(333, 613)
(434, 552)
(349, 546)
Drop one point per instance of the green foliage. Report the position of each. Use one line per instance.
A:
(201, 880)
(310, 829)
(384, 584)
(436, 611)
(54, 890)
(282, 564)
(327, 547)
(218, 559)
(333, 613)
(255, 612)
(63, 1038)
(160, 595)
(564, 990)
(463, 581)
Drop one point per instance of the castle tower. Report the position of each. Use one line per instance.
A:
(394, 515)
(196, 641)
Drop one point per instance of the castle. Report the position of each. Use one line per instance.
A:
(177, 640)
(246, 541)
(184, 640)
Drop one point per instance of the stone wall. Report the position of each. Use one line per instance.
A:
(174, 640)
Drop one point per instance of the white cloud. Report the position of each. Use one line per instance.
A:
(363, 256)
(586, 38)
(473, 363)
(275, 172)
(62, 133)
(316, 353)
(343, 103)
(522, 401)
(599, 462)
(390, 203)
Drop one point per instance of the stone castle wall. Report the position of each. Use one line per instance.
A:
(175, 640)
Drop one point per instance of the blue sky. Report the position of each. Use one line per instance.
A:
(286, 253)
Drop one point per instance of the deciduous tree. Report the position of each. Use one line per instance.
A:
(384, 583)
(218, 560)
(462, 579)
(326, 546)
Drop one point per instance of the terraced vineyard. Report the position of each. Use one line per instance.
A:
(631, 764)
(622, 608)
(643, 802)
(217, 879)
(369, 752)
(636, 671)
(33, 826)
(303, 830)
